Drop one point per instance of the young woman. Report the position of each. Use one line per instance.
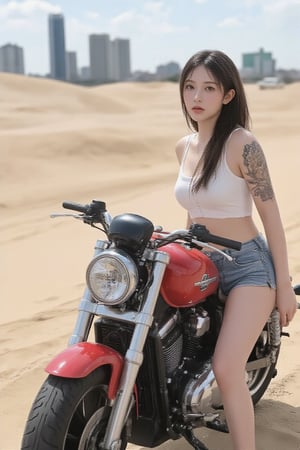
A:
(222, 171)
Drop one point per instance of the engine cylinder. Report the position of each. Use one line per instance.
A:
(172, 342)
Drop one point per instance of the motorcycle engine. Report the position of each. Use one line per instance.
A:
(188, 364)
(181, 336)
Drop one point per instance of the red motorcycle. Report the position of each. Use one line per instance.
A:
(147, 377)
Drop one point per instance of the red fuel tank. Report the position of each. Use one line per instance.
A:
(189, 278)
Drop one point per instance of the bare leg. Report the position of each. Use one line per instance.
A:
(246, 312)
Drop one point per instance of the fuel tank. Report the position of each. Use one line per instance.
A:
(189, 278)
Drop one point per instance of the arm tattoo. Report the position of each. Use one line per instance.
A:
(257, 172)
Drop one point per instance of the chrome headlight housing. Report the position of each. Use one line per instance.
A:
(112, 277)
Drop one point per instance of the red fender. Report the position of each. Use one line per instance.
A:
(81, 359)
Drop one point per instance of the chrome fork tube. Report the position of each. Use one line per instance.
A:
(83, 322)
(134, 357)
(85, 318)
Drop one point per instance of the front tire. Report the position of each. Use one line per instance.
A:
(69, 414)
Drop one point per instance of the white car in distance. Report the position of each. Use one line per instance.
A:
(270, 83)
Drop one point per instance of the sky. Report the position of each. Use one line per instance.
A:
(160, 31)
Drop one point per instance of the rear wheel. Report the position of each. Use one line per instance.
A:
(69, 414)
(259, 380)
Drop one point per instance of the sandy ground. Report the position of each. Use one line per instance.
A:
(114, 143)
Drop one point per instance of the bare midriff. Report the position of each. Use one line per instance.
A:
(240, 229)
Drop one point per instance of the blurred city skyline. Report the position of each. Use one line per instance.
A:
(159, 31)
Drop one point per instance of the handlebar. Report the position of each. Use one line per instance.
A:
(95, 212)
(198, 236)
(202, 234)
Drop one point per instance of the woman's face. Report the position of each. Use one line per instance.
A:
(203, 96)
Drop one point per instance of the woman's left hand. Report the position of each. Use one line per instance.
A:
(286, 304)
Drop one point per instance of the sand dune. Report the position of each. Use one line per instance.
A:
(115, 143)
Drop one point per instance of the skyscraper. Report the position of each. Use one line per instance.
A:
(120, 59)
(71, 66)
(57, 46)
(169, 70)
(258, 65)
(11, 59)
(100, 58)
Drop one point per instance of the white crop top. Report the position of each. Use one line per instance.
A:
(225, 196)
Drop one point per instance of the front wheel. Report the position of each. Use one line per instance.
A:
(69, 414)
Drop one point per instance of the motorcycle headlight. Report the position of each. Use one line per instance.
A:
(112, 277)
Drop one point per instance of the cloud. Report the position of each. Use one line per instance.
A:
(92, 15)
(283, 15)
(154, 7)
(77, 28)
(281, 6)
(270, 6)
(25, 15)
(125, 17)
(155, 18)
(229, 22)
(15, 10)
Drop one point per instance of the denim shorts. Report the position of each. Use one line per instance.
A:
(250, 266)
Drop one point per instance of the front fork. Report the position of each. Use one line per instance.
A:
(85, 316)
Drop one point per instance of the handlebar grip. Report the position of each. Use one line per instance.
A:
(202, 233)
(76, 207)
(235, 245)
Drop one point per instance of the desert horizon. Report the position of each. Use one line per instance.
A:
(113, 143)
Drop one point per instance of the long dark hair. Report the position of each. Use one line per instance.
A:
(233, 114)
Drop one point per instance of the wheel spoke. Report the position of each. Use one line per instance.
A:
(90, 403)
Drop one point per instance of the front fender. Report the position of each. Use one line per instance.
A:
(81, 359)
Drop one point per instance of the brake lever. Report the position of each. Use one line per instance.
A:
(75, 216)
(215, 249)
